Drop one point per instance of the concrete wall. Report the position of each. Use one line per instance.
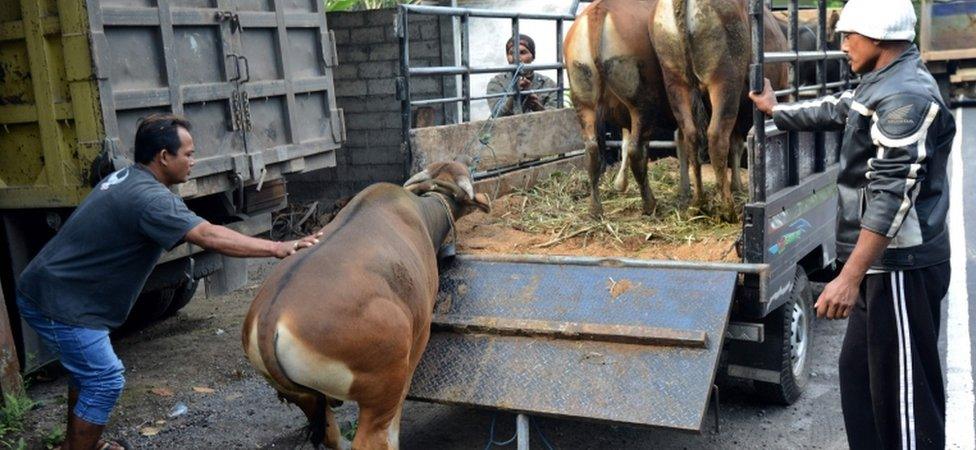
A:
(365, 88)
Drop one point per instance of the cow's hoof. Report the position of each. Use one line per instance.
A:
(596, 212)
(649, 209)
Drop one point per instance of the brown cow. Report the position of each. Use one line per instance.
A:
(614, 75)
(350, 318)
(704, 48)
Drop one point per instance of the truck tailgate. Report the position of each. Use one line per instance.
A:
(578, 337)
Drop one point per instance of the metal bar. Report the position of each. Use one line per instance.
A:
(522, 432)
(466, 62)
(793, 155)
(650, 144)
(404, 87)
(820, 150)
(291, 106)
(516, 59)
(758, 269)
(489, 13)
(757, 151)
(435, 101)
(810, 55)
(173, 73)
(559, 60)
(575, 331)
(461, 70)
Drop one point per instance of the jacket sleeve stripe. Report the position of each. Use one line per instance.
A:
(833, 100)
(910, 181)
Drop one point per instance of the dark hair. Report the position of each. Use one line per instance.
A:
(523, 39)
(156, 132)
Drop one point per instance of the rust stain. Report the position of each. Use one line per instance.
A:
(618, 288)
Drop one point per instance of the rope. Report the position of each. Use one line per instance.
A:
(542, 435)
(491, 435)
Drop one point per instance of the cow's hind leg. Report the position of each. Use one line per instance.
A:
(724, 96)
(638, 162)
(594, 161)
(322, 427)
(681, 97)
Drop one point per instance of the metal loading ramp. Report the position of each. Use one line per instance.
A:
(584, 338)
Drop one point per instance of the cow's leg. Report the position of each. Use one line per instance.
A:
(684, 184)
(738, 146)
(620, 181)
(379, 422)
(680, 97)
(724, 98)
(638, 162)
(594, 160)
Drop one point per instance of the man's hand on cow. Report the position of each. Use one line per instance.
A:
(285, 249)
(838, 298)
(765, 100)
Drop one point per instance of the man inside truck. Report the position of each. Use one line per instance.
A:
(83, 283)
(527, 80)
(891, 233)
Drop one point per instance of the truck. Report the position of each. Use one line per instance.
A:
(254, 78)
(544, 335)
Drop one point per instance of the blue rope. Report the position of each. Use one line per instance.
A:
(491, 435)
(542, 435)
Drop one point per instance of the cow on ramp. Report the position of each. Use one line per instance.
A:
(350, 318)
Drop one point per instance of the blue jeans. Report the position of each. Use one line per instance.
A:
(87, 355)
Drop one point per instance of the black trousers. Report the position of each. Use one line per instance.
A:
(891, 386)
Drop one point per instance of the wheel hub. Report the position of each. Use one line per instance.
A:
(798, 338)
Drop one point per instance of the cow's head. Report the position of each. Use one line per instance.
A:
(452, 179)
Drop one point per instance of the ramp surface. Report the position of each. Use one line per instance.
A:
(630, 345)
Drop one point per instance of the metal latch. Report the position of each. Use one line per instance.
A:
(235, 20)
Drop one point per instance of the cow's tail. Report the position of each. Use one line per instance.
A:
(699, 110)
(267, 341)
(597, 18)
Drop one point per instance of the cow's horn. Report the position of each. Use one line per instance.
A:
(419, 177)
(465, 184)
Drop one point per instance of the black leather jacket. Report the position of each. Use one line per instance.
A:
(893, 179)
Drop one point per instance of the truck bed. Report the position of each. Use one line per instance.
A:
(551, 219)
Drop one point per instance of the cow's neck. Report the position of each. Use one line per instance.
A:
(438, 212)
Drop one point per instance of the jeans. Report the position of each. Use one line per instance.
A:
(87, 355)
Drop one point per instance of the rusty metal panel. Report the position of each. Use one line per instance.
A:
(580, 339)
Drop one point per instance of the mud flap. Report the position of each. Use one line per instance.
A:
(583, 338)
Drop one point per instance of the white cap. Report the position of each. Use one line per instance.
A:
(884, 20)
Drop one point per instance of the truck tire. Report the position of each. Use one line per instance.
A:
(792, 328)
(149, 307)
(181, 297)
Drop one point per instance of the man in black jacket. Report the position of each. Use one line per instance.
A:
(891, 232)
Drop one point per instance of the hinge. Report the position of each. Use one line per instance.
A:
(338, 126)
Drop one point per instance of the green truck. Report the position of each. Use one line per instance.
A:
(254, 77)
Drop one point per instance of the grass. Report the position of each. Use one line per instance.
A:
(12, 416)
(54, 437)
(560, 205)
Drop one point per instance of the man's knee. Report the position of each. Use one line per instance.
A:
(99, 394)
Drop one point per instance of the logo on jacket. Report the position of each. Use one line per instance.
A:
(899, 116)
(115, 178)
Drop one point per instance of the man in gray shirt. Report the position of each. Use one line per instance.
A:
(83, 283)
(527, 81)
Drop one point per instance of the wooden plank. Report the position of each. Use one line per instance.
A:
(526, 178)
(621, 334)
(514, 140)
(10, 381)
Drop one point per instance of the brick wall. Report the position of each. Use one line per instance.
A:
(365, 88)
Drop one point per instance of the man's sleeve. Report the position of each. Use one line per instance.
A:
(899, 131)
(550, 100)
(823, 114)
(166, 220)
(497, 86)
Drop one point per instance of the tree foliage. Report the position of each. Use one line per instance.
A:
(359, 5)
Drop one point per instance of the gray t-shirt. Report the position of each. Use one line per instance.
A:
(93, 269)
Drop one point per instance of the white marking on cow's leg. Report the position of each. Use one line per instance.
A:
(620, 181)
(393, 430)
(307, 366)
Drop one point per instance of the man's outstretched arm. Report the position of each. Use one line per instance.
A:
(231, 243)
(823, 114)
